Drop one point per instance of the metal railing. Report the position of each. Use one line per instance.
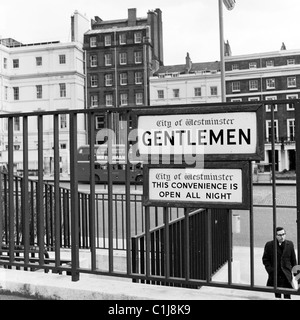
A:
(193, 231)
(50, 216)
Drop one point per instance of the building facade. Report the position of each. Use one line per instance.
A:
(186, 84)
(269, 76)
(121, 57)
(40, 77)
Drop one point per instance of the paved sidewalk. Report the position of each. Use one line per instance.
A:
(90, 287)
(241, 276)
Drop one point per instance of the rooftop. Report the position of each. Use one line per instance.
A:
(195, 68)
(12, 43)
(109, 30)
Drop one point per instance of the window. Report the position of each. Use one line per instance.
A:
(252, 65)
(237, 100)
(109, 100)
(236, 86)
(253, 85)
(123, 58)
(108, 59)
(138, 78)
(291, 82)
(291, 62)
(213, 91)
(94, 81)
(15, 63)
(16, 93)
(93, 42)
(6, 93)
(5, 63)
(254, 99)
(175, 93)
(108, 80)
(39, 92)
(268, 107)
(63, 121)
(160, 94)
(198, 92)
(62, 90)
(291, 131)
(138, 37)
(269, 130)
(138, 57)
(235, 67)
(93, 60)
(39, 61)
(62, 59)
(100, 122)
(122, 38)
(124, 99)
(17, 124)
(269, 63)
(94, 101)
(123, 79)
(139, 98)
(291, 106)
(270, 83)
(63, 146)
(107, 40)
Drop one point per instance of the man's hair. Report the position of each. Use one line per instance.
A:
(279, 229)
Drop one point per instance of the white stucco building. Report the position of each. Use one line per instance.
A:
(186, 84)
(42, 77)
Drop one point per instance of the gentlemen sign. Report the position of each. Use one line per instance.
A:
(216, 185)
(217, 135)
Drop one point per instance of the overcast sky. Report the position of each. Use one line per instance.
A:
(189, 26)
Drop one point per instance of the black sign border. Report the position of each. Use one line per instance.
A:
(213, 109)
(246, 187)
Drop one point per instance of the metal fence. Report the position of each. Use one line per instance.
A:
(181, 251)
(158, 245)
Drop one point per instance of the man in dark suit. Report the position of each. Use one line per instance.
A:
(286, 260)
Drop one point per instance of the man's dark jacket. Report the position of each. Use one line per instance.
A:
(288, 260)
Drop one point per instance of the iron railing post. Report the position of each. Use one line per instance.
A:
(91, 118)
(127, 194)
(57, 215)
(111, 137)
(40, 194)
(274, 193)
(25, 195)
(2, 204)
(11, 210)
(297, 124)
(74, 198)
(251, 224)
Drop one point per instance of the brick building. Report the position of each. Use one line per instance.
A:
(121, 56)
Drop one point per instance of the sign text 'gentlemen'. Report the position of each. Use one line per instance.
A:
(232, 133)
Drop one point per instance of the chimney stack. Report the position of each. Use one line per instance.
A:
(131, 17)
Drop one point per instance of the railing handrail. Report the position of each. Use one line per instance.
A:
(123, 109)
(139, 236)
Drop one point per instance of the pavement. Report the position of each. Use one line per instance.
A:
(41, 286)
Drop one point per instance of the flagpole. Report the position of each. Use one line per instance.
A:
(221, 23)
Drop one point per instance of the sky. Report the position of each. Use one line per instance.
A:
(192, 26)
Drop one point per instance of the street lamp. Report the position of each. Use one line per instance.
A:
(229, 4)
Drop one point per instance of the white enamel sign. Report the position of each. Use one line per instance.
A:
(207, 134)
